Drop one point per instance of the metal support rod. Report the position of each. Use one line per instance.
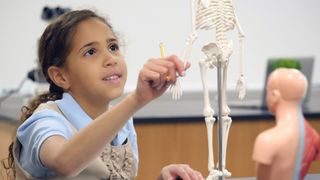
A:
(220, 130)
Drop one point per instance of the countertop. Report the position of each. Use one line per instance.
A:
(188, 108)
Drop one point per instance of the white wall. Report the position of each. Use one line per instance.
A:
(272, 28)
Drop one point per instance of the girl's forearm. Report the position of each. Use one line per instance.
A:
(87, 144)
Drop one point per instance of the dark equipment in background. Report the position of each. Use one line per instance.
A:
(36, 75)
(49, 13)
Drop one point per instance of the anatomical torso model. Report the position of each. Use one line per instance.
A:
(286, 150)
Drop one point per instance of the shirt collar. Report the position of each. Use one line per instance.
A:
(73, 112)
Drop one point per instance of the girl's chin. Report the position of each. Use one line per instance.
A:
(115, 94)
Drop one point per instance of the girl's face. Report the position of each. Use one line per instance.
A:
(95, 68)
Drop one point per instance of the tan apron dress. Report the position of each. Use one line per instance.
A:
(115, 162)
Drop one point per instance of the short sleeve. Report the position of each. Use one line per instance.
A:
(33, 132)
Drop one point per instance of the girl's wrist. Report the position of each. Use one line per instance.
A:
(137, 99)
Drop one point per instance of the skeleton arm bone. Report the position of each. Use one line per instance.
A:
(241, 39)
(192, 36)
(176, 89)
(187, 50)
(241, 82)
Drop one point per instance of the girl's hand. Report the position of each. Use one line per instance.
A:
(156, 76)
(179, 171)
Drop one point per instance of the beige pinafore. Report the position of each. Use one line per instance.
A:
(115, 162)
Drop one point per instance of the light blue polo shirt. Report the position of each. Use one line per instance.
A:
(47, 122)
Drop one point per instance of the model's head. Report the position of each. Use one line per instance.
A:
(285, 85)
(74, 48)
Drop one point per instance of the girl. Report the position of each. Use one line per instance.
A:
(71, 131)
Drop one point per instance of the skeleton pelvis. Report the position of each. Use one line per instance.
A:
(217, 52)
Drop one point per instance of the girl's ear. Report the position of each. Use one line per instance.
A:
(57, 75)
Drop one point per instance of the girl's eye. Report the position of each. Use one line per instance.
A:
(90, 52)
(114, 47)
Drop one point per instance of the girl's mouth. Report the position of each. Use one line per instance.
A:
(113, 79)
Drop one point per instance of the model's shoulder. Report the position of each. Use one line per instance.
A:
(264, 147)
(267, 135)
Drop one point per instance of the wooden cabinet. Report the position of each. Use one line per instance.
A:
(165, 143)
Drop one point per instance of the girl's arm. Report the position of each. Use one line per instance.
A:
(70, 157)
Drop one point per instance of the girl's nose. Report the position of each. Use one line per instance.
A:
(110, 60)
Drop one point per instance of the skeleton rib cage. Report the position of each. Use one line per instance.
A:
(218, 16)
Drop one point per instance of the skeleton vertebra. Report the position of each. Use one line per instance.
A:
(218, 16)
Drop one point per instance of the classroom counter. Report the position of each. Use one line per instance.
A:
(190, 107)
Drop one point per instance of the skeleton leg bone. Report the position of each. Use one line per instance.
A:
(208, 112)
(226, 120)
(225, 108)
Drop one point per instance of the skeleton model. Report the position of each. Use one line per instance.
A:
(218, 16)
